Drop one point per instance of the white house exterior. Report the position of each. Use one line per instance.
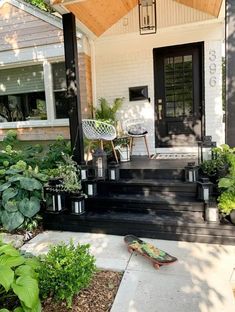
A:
(121, 58)
(31, 72)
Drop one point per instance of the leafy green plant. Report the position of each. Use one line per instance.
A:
(18, 281)
(226, 202)
(65, 271)
(21, 193)
(107, 112)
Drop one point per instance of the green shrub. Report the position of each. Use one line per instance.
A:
(227, 202)
(18, 281)
(20, 193)
(65, 271)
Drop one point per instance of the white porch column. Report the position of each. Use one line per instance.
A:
(48, 84)
(214, 125)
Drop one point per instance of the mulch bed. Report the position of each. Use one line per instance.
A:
(98, 297)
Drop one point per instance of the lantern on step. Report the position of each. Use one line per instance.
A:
(211, 213)
(113, 171)
(91, 188)
(84, 172)
(77, 204)
(205, 148)
(205, 188)
(99, 163)
(191, 172)
(147, 17)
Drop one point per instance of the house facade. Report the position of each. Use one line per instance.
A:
(32, 73)
(179, 69)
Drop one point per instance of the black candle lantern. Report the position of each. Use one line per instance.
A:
(204, 189)
(191, 172)
(99, 162)
(77, 204)
(91, 188)
(55, 199)
(206, 148)
(113, 171)
(84, 172)
(212, 213)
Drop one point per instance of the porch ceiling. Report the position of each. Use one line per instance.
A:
(100, 15)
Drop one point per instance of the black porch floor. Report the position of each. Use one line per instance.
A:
(152, 200)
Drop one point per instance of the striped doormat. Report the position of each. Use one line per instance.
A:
(175, 156)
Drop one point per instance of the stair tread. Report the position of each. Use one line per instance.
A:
(159, 198)
(151, 182)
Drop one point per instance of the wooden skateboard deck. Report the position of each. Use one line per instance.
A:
(157, 256)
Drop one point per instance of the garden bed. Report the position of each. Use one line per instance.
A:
(98, 297)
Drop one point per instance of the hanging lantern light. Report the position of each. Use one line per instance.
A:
(147, 17)
(191, 172)
(205, 188)
(99, 161)
(113, 171)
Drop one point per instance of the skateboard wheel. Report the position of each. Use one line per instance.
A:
(156, 266)
(130, 249)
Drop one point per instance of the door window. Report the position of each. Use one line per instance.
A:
(178, 73)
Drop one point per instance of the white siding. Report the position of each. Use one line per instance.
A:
(124, 61)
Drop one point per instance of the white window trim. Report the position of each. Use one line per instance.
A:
(50, 105)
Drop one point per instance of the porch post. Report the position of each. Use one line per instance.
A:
(230, 72)
(72, 77)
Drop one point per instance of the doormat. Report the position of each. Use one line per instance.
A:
(175, 156)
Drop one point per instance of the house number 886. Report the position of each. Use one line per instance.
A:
(212, 68)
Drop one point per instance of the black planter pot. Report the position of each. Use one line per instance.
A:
(232, 216)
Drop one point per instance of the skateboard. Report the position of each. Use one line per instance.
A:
(157, 256)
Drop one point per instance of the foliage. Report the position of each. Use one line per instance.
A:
(106, 112)
(227, 202)
(65, 271)
(41, 4)
(18, 281)
(21, 192)
(55, 153)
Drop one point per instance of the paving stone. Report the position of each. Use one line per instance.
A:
(16, 240)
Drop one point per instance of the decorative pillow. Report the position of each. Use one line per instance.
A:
(137, 130)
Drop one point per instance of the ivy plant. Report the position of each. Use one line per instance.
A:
(18, 281)
(20, 193)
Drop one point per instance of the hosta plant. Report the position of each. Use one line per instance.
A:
(18, 281)
(20, 194)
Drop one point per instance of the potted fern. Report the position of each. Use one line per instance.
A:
(107, 112)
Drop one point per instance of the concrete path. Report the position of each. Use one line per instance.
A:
(201, 281)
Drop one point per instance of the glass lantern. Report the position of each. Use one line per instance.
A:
(113, 171)
(77, 204)
(91, 188)
(205, 188)
(55, 199)
(212, 213)
(206, 148)
(84, 172)
(191, 172)
(99, 163)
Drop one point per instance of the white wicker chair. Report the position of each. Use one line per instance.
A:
(95, 130)
(128, 125)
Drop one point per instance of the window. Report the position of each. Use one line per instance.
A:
(22, 95)
(60, 90)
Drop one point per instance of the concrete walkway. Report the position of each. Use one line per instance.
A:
(201, 281)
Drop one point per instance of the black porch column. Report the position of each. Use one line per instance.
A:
(72, 76)
(230, 72)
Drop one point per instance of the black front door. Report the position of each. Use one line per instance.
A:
(178, 94)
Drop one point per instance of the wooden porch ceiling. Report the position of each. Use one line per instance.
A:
(100, 15)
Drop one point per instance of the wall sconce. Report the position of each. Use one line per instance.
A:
(205, 188)
(191, 172)
(147, 17)
(113, 172)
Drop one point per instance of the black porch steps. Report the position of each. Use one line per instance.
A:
(143, 225)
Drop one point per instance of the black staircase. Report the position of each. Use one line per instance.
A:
(148, 202)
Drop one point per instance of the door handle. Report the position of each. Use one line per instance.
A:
(159, 101)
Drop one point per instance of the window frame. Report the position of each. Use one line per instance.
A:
(49, 96)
